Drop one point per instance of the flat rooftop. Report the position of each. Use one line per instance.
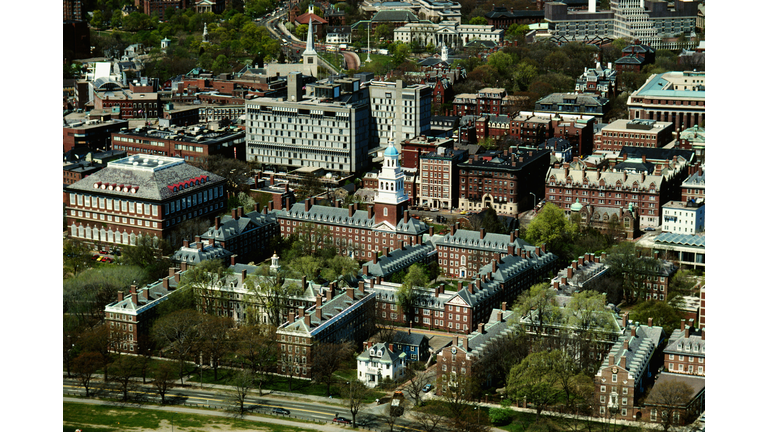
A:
(146, 162)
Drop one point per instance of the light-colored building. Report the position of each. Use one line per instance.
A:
(378, 362)
(676, 97)
(439, 10)
(398, 111)
(598, 80)
(447, 33)
(681, 217)
(326, 128)
(685, 250)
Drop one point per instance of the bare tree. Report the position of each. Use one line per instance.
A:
(430, 422)
(258, 346)
(123, 370)
(327, 359)
(242, 384)
(163, 379)
(269, 294)
(178, 332)
(355, 392)
(215, 342)
(416, 380)
(85, 366)
(670, 397)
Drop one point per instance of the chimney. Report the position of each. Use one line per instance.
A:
(495, 265)
(517, 233)
(210, 241)
(392, 347)
(650, 321)
(134, 295)
(570, 272)
(682, 325)
(365, 270)
(171, 271)
(634, 331)
(480, 328)
(307, 320)
(643, 158)
(574, 265)
(119, 296)
(186, 243)
(198, 243)
(687, 332)
(376, 257)
(460, 286)
(234, 213)
(257, 209)
(625, 320)
(303, 283)
(431, 230)
(271, 205)
(183, 266)
(611, 359)
(464, 343)
(166, 282)
(482, 233)
(351, 293)
(625, 344)
(406, 216)
(581, 261)
(243, 275)
(329, 293)
(702, 333)
(351, 210)
(499, 316)
(470, 288)
(307, 205)
(556, 285)
(318, 304)
(453, 229)
(271, 179)
(602, 256)
(217, 222)
(563, 280)
(361, 286)
(239, 211)
(455, 341)
(386, 251)
(623, 361)
(543, 248)
(437, 291)
(510, 250)
(232, 259)
(370, 212)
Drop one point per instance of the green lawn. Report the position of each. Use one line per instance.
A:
(101, 418)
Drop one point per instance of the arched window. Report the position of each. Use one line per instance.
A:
(73, 230)
(87, 232)
(125, 237)
(385, 211)
(463, 260)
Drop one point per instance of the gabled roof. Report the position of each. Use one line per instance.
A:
(693, 345)
(412, 339)
(192, 255)
(399, 259)
(305, 17)
(382, 354)
(640, 349)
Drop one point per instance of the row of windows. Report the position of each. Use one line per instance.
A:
(110, 204)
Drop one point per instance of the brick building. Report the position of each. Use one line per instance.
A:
(627, 371)
(438, 175)
(535, 127)
(657, 407)
(574, 104)
(501, 18)
(684, 353)
(618, 188)
(622, 223)
(694, 187)
(400, 259)
(158, 7)
(676, 97)
(126, 103)
(635, 133)
(504, 180)
(336, 317)
(413, 148)
(598, 80)
(93, 134)
(457, 361)
(246, 235)
(192, 143)
(141, 195)
(634, 57)
(357, 232)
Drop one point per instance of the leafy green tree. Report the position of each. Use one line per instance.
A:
(97, 20)
(306, 265)
(269, 294)
(77, 256)
(340, 266)
(257, 345)
(148, 253)
(663, 314)
(86, 294)
(221, 64)
(301, 31)
(551, 227)
(478, 21)
(536, 380)
(383, 32)
(117, 19)
(408, 295)
(492, 223)
(400, 53)
(538, 306)
(626, 259)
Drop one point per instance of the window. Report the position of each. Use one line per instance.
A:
(614, 378)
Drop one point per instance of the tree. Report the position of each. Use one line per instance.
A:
(588, 317)
(671, 396)
(409, 295)
(100, 340)
(400, 53)
(221, 64)
(268, 295)
(235, 172)
(178, 332)
(340, 266)
(663, 314)
(148, 253)
(478, 21)
(534, 379)
(551, 227)
(206, 280)
(86, 294)
(415, 382)
(625, 259)
(327, 359)
(117, 19)
(215, 341)
(306, 265)
(537, 305)
(355, 392)
(97, 20)
(85, 366)
(258, 347)
(458, 391)
(77, 256)
(309, 186)
(499, 357)
(123, 370)
(163, 379)
(242, 384)
(301, 31)
(492, 223)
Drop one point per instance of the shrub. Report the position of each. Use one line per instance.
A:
(501, 416)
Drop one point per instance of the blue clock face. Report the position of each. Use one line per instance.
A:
(453, 350)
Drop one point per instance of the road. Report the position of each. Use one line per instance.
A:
(370, 416)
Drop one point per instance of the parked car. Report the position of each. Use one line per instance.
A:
(434, 209)
(650, 229)
(341, 420)
(463, 212)
(427, 388)
(282, 411)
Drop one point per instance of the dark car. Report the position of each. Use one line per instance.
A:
(341, 420)
(650, 229)
(282, 411)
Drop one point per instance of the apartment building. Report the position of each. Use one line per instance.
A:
(685, 352)
(399, 112)
(192, 143)
(635, 133)
(683, 217)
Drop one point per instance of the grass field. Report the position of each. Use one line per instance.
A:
(99, 418)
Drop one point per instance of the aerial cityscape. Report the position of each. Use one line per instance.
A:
(411, 215)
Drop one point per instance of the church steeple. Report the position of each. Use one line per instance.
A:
(391, 199)
(310, 50)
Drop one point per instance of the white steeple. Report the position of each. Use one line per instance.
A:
(275, 267)
(310, 42)
(391, 178)
(444, 54)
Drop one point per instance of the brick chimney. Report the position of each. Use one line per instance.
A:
(625, 320)
(563, 280)
(682, 325)
(650, 321)
(329, 293)
(687, 332)
(499, 316)
(570, 272)
(581, 261)
(623, 362)
(120, 296)
(392, 347)
(702, 333)
(351, 210)
(386, 251)
(166, 282)
(351, 293)
(257, 209)
(291, 316)
(183, 266)
(234, 213)
(437, 291)
(510, 250)
(304, 283)
(611, 359)
(318, 306)
(361, 286)
(243, 275)
(198, 243)
(470, 288)
(239, 211)
(217, 222)
(494, 265)
(634, 331)
(406, 216)
(307, 205)
(301, 311)
(232, 259)
(186, 243)
(538, 250)
(307, 320)
(625, 344)
(376, 257)
(271, 179)
(556, 285)
(171, 271)
(482, 233)
(370, 212)
(480, 328)
(431, 230)
(271, 205)
(365, 270)
(134, 295)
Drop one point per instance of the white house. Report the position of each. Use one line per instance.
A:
(379, 361)
(682, 217)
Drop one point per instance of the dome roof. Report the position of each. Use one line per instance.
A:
(390, 151)
(576, 206)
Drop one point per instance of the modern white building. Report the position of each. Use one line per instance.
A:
(324, 125)
(439, 10)
(379, 361)
(680, 217)
(398, 112)
(447, 33)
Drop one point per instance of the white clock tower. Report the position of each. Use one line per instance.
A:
(391, 199)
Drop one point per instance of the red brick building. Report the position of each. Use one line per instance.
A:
(439, 177)
(634, 133)
(531, 128)
(501, 18)
(93, 134)
(693, 188)
(158, 7)
(413, 148)
(504, 180)
(189, 143)
(684, 353)
(141, 195)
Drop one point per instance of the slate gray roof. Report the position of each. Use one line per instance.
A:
(155, 293)
(329, 311)
(340, 216)
(387, 356)
(493, 330)
(594, 177)
(695, 382)
(192, 255)
(395, 16)
(399, 259)
(230, 228)
(581, 99)
(635, 166)
(413, 339)
(693, 345)
(491, 241)
(387, 292)
(152, 184)
(695, 179)
(640, 349)
(630, 59)
(657, 153)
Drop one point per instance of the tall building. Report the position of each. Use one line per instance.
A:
(141, 195)
(73, 10)
(328, 128)
(399, 112)
(676, 97)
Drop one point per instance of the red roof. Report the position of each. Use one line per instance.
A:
(304, 19)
